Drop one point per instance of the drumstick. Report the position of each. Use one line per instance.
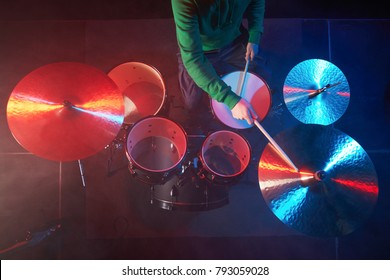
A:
(270, 139)
(243, 78)
(276, 146)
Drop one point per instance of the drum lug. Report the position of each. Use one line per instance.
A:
(201, 175)
(183, 169)
(132, 172)
(174, 191)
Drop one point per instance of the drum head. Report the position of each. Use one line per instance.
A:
(142, 87)
(156, 145)
(225, 154)
(255, 91)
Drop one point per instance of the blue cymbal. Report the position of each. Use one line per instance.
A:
(335, 190)
(315, 91)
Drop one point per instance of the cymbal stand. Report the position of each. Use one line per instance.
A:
(117, 144)
(81, 167)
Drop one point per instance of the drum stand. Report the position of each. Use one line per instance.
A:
(117, 144)
(81, 167)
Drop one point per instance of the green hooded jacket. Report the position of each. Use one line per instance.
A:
(206, 25)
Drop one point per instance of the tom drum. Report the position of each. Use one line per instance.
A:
(155, 148)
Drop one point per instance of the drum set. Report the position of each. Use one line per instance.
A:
(68, 111)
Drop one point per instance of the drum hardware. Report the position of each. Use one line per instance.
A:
(188, 192)
(315, 91)
(335, 190)
(321, 90)
(81, 168)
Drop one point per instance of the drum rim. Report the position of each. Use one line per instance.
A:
(134, 162)
(206, 166)
(212, 101)
(164, 93)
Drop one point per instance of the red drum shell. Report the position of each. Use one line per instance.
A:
(143, 90)
(225, 155)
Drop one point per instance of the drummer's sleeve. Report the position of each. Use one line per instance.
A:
(194, 60)
(255, 16)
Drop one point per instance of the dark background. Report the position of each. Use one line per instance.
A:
(111, 218)
(122, 9)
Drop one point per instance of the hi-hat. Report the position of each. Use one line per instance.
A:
(334, 191)
(65, 111)
(316, 92)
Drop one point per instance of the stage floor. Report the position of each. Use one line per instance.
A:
(112, 217)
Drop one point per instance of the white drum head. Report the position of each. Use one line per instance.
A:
(255, 91)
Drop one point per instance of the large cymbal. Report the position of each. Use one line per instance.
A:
(316, 92)
(65, 111)
(335, 190)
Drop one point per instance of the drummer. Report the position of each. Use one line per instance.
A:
(213, 41)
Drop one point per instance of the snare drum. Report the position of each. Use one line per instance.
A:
(143, 90)
(225, 155)
(255, 91)
(155, 148)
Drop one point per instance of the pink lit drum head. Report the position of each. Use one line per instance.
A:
(254, 90)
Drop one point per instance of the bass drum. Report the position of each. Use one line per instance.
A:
(225, 155)
(187, 192)
(156, 148)
(143, 90)
(255, 91)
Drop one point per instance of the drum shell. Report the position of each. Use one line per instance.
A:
(232, 153)
(170, 149)
(186, 192)
(143, 90)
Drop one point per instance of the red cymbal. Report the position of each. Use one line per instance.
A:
(65, 111)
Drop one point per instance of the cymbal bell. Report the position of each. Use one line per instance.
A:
(65, 111)
(336, 187)
(316, 92)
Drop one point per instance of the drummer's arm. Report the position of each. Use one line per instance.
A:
(198, 66)
(255, 15)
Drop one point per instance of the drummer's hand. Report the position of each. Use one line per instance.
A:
(251, 50)
(244, 111)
